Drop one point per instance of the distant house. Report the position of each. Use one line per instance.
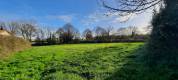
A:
(4, 32)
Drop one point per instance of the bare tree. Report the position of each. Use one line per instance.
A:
(101, 34)
(99, 31)
(67, 33)
(48, 32)
(12, 27)
(130, 6)
(88, 34)
(27, 30)
(109, 30)
(60, 35)
(133, 30)
(40, 36)
(40, 33)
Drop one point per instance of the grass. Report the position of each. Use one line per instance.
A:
(111, 61)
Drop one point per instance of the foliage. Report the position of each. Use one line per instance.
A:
(164, 34)
(162, 47)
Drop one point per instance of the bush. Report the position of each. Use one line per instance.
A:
(10, 44)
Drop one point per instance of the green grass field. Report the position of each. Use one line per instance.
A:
(112, 61)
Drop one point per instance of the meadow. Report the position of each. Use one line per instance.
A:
(106, 61)
(67, 62)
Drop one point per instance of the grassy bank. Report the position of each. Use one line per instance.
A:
(10, 44)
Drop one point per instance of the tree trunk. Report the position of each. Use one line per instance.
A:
(163, 43)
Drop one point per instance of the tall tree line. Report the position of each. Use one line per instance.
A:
(42, 35)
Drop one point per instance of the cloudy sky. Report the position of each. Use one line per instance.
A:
(55, 13)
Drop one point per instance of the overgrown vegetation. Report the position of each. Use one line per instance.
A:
(11, 44)
(164, 35)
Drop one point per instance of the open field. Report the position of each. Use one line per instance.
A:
(67, 62)
(89, 40)
(112, 61)
(108, 61)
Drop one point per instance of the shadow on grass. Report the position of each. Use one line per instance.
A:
(110, 63)
(138, 67)
(99, 64)
(132, 69)
(91, 65)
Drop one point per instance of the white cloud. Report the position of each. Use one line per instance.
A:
(144, 28)
(65, 18)
(116, 20)
(123, 18)
(95, 18)
(106, 18)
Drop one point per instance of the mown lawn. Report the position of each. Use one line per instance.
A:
(72, 62)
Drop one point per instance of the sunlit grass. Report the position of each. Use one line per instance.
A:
(67, 62)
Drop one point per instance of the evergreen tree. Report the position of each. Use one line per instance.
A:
(163, 42)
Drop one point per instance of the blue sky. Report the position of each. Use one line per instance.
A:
(55, 13)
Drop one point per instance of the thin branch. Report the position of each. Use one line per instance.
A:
(143, 5)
